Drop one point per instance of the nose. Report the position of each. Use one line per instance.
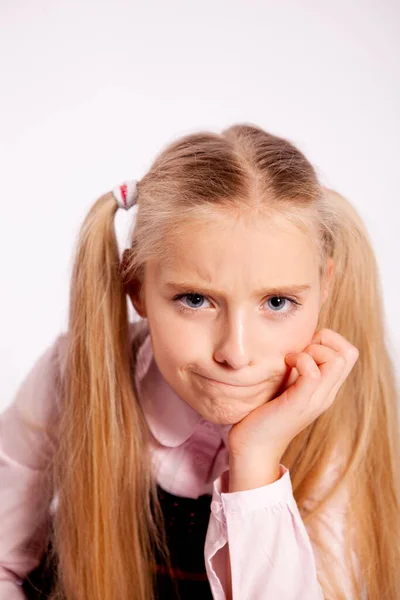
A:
(233, 347)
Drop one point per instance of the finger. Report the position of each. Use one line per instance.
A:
(335, 341)
(332, 339)
(324, 364)
(333, 365)
(320, 354)
(307, 381)
(311, 389)
(348, 351)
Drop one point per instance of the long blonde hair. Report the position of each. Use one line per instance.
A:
(104, 530)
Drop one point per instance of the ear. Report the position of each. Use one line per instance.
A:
(328, 280)
(133, 289)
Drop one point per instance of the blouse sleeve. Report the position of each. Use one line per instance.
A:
(270, 552)
(25, 484)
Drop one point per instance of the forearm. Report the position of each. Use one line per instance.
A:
(246, 474)
(248, 525)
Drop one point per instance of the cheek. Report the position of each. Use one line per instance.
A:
(300, 332)
(172, 346)
(173, 335)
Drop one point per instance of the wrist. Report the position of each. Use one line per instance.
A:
(246, 473)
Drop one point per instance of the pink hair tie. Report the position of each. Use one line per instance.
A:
(126, 194)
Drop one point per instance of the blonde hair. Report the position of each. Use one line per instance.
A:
(105, 534)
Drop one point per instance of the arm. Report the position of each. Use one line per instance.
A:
(25, 484)
(270, 553)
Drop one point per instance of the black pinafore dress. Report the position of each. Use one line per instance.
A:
(186, 521)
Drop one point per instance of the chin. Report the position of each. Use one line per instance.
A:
(223, 416)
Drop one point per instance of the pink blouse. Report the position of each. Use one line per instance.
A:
(270, 552)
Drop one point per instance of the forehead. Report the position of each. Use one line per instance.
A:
(227, 251)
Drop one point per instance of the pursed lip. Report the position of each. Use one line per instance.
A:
(216, 381)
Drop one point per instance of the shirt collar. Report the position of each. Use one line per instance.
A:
(171, 420)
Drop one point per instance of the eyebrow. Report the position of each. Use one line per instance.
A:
(278, 290)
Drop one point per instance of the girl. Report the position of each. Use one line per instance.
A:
(240, 440)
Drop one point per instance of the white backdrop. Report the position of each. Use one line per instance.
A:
(91, 90)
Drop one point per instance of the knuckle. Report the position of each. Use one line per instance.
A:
(353, 353)
(308, 348)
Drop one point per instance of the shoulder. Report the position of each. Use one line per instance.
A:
(34, 406)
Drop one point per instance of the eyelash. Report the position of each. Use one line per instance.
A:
(185, 309)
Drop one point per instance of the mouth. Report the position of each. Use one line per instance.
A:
(230, 385)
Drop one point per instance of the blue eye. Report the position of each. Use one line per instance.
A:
(197, 304)
(194, 298)
(280, 299)
(294, 305)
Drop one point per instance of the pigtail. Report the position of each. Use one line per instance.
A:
(103, 524)
(361, 428)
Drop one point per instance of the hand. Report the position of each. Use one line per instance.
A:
(316, 377)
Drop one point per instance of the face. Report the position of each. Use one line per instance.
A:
(231, 302)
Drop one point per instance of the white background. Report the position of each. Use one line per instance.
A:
(91, 91)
